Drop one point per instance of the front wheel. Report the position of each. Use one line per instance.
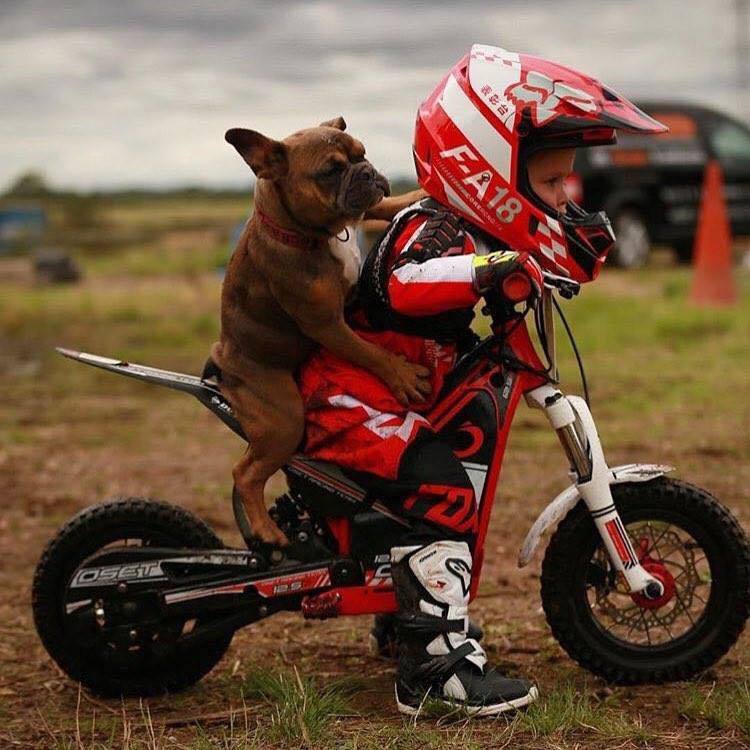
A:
(684, 537)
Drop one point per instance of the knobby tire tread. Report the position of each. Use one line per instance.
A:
(557, 591)
(52, 573)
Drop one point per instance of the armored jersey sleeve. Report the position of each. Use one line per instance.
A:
(431, 268)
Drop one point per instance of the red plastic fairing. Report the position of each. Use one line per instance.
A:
(487, 377)
(505, 390)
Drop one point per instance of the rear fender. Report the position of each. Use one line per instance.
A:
(568, 498)
(206, 392)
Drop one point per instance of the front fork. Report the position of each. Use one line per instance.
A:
(571, 419)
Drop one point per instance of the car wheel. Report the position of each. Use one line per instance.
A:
(633, 242)
(683, 251)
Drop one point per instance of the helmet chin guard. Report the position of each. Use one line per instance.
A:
(477, 129)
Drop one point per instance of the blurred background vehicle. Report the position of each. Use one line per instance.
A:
(21, 227)
(53, 266)
(651, 186)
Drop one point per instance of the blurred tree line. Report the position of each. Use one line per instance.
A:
(81, 209)
(78, 210)
(33, 184)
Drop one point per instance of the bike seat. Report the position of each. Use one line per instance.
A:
(324, 486)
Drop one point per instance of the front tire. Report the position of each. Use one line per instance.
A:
(173, 666)
(613, 634)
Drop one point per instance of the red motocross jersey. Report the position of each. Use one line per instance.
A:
(351, 416)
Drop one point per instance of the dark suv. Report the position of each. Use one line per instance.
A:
(651, 185)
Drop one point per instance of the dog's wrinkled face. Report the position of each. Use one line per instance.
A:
(321, 173)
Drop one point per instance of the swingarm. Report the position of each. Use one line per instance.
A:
(143, 584)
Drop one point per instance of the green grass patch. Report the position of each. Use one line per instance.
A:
(690, 328)
(180, 211)
(723, 707)
(154, 260)
(569, 709)
(416, 736)
(301, 709)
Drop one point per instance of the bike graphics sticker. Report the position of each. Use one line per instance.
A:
(620, 540)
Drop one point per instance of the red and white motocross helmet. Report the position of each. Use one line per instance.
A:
(476, 131)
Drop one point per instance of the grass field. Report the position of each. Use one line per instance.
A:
(668, 383)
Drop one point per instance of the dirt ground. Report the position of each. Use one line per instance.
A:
(66, 448)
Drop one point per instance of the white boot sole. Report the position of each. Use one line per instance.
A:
(493, 710)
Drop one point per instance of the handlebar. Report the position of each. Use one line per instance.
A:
(567, 287)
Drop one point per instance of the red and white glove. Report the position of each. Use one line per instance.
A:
(517, 276)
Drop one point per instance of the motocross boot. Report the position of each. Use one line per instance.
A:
(383, 640)
(437, 658)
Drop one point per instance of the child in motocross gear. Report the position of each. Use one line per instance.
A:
(353, 420)
(493, 145)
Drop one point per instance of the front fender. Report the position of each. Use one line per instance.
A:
(567, 499)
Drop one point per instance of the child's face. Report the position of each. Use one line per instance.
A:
(547, 171)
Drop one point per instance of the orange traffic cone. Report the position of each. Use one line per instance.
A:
(712, 251)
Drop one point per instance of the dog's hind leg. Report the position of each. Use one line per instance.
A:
(250, 477)
(273, 419)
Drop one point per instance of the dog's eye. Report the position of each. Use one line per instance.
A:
(331, 170)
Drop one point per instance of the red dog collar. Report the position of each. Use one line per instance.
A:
(286, 236)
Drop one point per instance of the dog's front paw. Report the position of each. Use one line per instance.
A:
(408, 381)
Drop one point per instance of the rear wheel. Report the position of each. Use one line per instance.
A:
(685, 538)
(161, 662)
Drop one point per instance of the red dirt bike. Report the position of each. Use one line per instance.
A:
(646, 579)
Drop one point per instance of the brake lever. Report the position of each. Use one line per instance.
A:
(569, 289)
(566, 287)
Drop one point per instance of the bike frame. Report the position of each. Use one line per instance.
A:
(474, 416)
(480, 408)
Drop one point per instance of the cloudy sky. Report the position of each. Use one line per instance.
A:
(104, 93)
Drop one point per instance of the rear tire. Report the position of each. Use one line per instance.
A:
(155, 523)
(567, 574)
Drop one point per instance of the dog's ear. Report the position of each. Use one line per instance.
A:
(337, 122)
(266, 157)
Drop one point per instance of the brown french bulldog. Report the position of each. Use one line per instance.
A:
(284, 294)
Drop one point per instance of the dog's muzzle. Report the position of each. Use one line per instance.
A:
(362, 186)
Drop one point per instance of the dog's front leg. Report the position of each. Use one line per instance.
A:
(407, 380)
(318, 311)
(387, 208)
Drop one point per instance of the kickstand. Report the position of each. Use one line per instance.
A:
(241, 518)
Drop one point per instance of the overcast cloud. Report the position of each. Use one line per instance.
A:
(103, 94)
